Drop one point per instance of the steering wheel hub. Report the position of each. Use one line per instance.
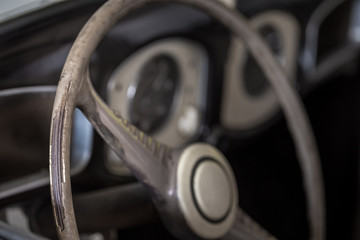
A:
(211, 190)
(207, 191)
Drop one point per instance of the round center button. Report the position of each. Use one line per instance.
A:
(211, 190)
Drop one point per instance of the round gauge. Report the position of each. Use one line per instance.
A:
(248, 100)
(155, 92)
(161, 89)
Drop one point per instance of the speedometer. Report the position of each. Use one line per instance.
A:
(152, 99)
(248, 100)
(161, 90)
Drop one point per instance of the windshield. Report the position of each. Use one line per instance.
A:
(13, 8)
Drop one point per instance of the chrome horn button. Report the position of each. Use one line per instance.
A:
(207, 191)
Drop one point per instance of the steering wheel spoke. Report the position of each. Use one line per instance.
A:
(148, 159)
(143, 155)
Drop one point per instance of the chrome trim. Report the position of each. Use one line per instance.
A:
(27, 90)
(355, 22)
(309, 57)
(24, 184)
(81, 144)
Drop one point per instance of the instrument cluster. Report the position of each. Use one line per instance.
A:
(162, 87)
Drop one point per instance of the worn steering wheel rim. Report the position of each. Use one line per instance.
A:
(75, 90)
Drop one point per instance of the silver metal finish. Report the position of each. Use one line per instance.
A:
(21, 91)
(153, 163)
(229, 3)
(316, 71)
(24, 126)
(207, 191)
(241, 110)
(355, 22)
(309, 60)
(188, 105)
(25, 184)
(339, 58)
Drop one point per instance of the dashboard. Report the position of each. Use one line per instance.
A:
(180, 76)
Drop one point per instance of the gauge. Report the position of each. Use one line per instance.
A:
(161, 89)
(154, 94)
(248, 101)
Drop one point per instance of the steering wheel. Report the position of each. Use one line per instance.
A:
(194, 188)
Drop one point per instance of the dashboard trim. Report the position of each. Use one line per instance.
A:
(240, 110)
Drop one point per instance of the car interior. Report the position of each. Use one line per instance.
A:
(180, 119)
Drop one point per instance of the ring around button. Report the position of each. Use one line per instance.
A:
(211, 190)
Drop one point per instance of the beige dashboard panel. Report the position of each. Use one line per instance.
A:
(240, 110)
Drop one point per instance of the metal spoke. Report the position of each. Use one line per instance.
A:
(148, 159)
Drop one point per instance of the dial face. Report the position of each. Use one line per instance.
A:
(153, 97)
(151, 90)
